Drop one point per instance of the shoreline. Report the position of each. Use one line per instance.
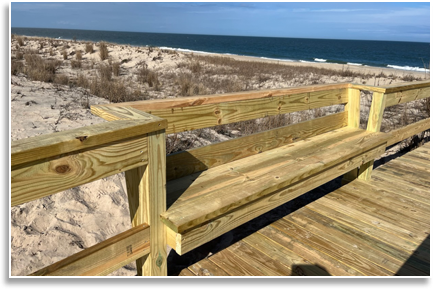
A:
(334, 66)
(327, 65)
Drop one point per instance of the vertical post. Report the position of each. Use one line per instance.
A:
(353, 108)
(147, 200)
(374, 122)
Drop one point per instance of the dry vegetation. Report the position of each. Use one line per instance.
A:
(140, 73)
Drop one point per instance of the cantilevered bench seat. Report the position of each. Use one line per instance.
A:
(205, 205)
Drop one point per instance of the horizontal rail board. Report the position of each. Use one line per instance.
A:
(200, 159)
(209, 115)
(406, 86)
(398, 135)
(149, 105)
(110, 112)
(397, 87)
(190, 240)
(105, 257)
(50, 176)
(406, 96)
(45, 146)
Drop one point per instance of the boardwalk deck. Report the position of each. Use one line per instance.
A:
(375, 228)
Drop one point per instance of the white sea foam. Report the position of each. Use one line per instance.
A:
(277, 59)
(408, 68)
(319, 60)
(185, 50)
(357, 64)
(304, 61)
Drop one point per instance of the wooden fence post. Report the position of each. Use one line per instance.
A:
(353, 108)
(147, 200)
(374, 122)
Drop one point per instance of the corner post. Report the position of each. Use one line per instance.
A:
(353, 108)
(146, 187)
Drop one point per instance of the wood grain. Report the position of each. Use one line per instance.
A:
(200, 159)
(181, 102)
(183, 243)
(398, 135)
(251, 181)
(42, 147)
(79, 167)
(105, 257)
(406, 96)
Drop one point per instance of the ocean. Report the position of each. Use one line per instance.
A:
(411, 56)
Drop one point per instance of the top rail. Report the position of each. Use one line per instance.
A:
(47, 146)
(158, 104)
(201, 112)
(396, 87)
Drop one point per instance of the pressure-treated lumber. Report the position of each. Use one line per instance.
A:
(396, 87)
(406, 96)
(398, 135)
(43, 178)
(374, 122)
(209, 207)
(147, 200)
(181, 102)
(259, 175)
(195, 237)
(406, 86)
(208, 115)
(199, 159)
(353, 107)
(38, 148)
(105, 257)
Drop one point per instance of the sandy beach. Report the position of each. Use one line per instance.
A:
(43, 102)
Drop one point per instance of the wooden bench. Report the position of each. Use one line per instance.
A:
(213, 189)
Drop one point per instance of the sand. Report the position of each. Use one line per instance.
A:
(47, 230)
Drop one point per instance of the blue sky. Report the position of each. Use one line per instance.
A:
(339, 20)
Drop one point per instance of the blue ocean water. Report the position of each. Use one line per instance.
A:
(395, 54)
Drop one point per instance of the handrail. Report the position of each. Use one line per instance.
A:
(44, 165)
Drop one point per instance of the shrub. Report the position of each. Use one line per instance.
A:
(78, 55)
(103, 51)
(65, 55)
(145, 75)
(61, 79)
(19, 55)
(39, 69)
(20, 41)
(89, 48)
(75, 64)
(16, 67)
(105, 72)
(116, 68)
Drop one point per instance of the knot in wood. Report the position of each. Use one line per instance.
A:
(62, 169)
(217, 111)
(81, 138)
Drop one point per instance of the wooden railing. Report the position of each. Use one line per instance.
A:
(384, 97)
(47, 164)
(134, 143)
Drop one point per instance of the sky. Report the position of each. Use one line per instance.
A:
(400, 21)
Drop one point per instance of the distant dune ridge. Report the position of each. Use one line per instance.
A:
(58, 96)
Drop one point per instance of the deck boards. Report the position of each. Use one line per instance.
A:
(375, 228)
